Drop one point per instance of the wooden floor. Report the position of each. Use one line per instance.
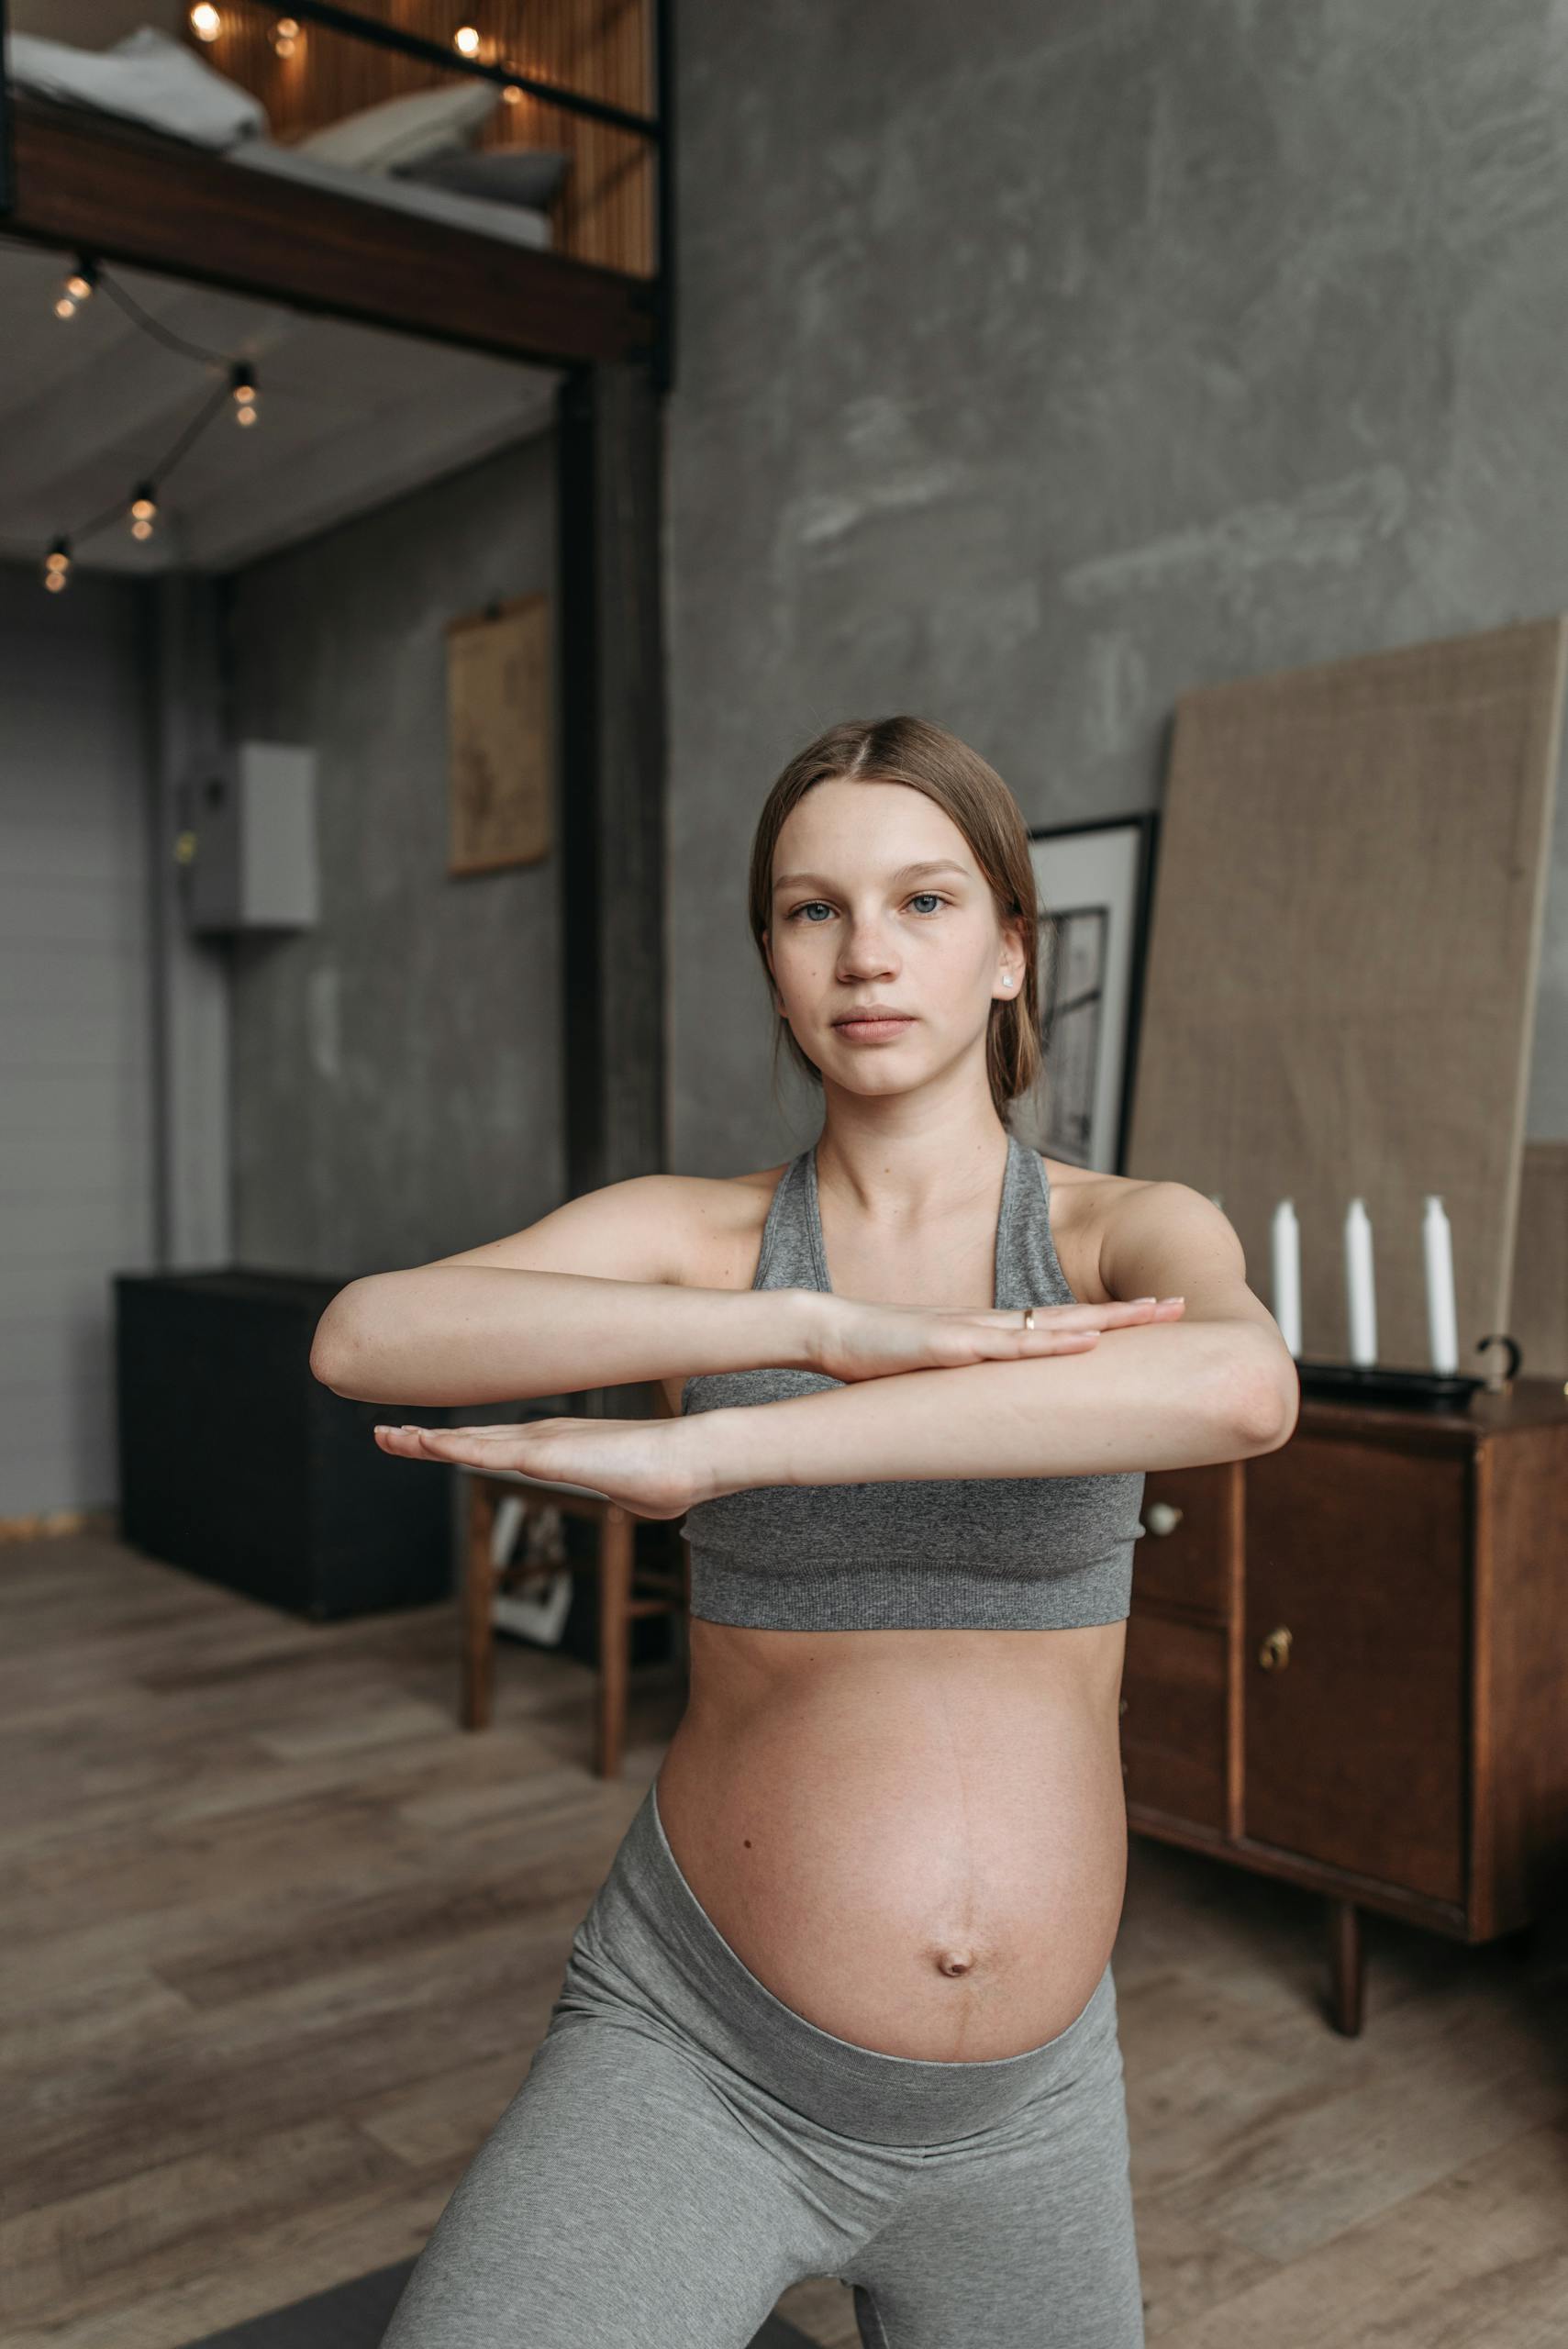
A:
(278, 1939)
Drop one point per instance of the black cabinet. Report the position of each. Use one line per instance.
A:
(235, 1462)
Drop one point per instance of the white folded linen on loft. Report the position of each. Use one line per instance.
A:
(146, 77)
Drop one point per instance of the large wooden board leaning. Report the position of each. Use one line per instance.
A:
(499, 735)
(1341, 979)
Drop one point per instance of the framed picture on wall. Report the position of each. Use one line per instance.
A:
(499, 730)
(1095, 884)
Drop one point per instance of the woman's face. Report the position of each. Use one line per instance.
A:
(878, 902)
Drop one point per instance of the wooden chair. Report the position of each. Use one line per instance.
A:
(626, 1592)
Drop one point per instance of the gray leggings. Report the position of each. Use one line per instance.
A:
(685, 2146)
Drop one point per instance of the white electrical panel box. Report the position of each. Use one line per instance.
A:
(249, 847)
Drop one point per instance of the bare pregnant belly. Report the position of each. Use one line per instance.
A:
(918, 1840)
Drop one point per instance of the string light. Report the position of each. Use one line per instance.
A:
(236, 389)
(285, 36)
(466, 39)
(76, 289)
(205, 22)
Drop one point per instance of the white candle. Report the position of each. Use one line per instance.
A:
(1285, 1245)
(1360, 1300)
(1442, 1320)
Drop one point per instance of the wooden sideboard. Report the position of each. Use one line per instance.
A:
(1347, 1665)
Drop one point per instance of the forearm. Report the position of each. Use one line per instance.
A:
(1158, 1396)
(484, 1333)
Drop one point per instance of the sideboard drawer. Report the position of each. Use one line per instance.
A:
(1174, 1717)
(1192, 1519)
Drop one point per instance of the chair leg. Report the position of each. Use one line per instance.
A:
(616, 1531)
(478, 1582)
(1346, 1967)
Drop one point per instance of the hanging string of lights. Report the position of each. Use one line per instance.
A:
(140, 509)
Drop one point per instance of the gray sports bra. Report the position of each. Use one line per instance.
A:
(968, 1552)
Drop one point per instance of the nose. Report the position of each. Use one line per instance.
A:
(866, 952)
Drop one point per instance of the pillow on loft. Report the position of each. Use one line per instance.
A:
(397, 132)
(148, 77)
(531, 175)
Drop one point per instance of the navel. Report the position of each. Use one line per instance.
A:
(955, 1961)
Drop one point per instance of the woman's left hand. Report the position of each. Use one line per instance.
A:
(641, 1463)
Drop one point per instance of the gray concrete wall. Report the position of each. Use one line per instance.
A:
(396, 1086)
(76, 1110)
(1040, 362)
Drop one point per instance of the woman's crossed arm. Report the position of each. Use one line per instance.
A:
(1203, 1377)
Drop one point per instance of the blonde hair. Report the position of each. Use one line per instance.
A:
(927, 758)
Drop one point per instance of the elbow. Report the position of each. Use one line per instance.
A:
(337, 1347)
(1261, 1399)
(1268, 1420)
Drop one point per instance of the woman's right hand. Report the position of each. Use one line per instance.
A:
(855, 1340)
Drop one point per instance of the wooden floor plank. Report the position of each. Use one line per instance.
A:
(280, 1938)
(1478, 2260)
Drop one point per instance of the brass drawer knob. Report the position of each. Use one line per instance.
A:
(1162, 1517)
(1275, 1652)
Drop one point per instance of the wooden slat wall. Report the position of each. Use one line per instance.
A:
(601, 49)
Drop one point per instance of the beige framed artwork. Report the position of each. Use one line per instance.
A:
(500, 735)
(1342, 979)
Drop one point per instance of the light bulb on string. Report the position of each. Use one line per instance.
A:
(285, 36)
(76, 289)
(205, 22)
(143, 511)
(57, 566)
(242, 384)
(466, 40)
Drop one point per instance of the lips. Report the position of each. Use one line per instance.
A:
(874, 1027)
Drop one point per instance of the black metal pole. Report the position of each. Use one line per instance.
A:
(664, 164)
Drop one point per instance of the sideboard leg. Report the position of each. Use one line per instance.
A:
(1346, 1966)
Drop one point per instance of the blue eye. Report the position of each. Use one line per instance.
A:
(812, 905)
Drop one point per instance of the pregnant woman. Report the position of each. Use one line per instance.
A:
(844, 2005)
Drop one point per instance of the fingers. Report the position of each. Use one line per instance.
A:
(1118, 1309)
(1118, 1313)
(408, 1444)
(427, 1444)
(1112, 1312)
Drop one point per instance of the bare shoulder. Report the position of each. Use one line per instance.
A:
(1083, 1204)
(692, 1229)
(723, 1234)
(1167, 1239)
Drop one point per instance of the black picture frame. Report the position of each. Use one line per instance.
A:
(1094, 883)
